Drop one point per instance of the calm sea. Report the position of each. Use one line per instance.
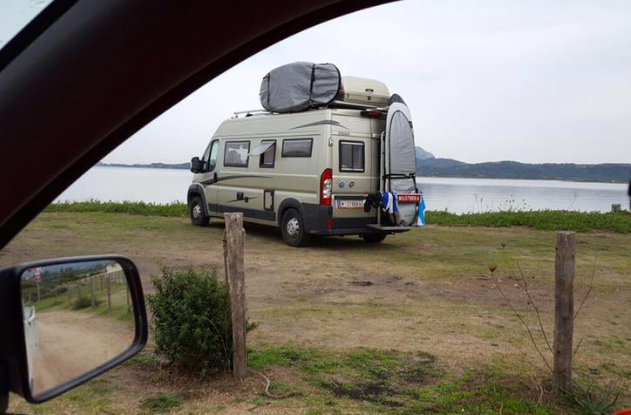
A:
(452, 194)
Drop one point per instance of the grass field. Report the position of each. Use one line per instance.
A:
(619, 222)
(413, 325)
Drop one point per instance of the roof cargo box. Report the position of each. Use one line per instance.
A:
(363, 91)
(299, 86)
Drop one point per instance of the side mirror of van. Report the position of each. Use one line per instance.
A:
(65, 321)
(196, 165)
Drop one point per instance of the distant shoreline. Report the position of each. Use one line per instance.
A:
(613, 173)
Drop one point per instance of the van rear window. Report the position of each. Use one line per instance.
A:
(236, 154)
(300, 147)
(352, 156)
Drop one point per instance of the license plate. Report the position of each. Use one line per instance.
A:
(350, 204)
(409, 198)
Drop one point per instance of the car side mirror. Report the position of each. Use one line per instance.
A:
(66, 321)
(196, 165)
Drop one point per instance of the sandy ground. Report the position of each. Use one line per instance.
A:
(72, 343)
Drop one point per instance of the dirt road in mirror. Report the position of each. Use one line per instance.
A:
(72, 343)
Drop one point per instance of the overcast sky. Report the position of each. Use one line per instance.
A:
(532, 81)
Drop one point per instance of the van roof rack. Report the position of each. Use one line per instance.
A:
(352, 105)
(249, 113)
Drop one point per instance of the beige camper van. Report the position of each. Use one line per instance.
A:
(314, 172)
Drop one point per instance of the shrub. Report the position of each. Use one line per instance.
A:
(84, 302)
(191, 317)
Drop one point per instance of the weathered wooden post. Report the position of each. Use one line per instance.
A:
(69, 292)
(235, 277)
(128, 299)
(564, 268)
(109, 293)
(93, 299)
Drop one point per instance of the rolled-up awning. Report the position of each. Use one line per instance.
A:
(262, 148)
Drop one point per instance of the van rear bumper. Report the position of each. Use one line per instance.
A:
(317, 218)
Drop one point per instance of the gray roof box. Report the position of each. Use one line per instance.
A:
(299, 86)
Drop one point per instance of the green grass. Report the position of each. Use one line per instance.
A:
(133, 208)
(544, 219)
(162, 404)
(395, 382)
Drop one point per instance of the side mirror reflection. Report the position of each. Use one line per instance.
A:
(78, 317)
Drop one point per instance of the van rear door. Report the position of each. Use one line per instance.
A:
(354, 166)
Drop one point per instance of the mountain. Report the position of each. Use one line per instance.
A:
(428, 165)
(422, 154)
(441, 167)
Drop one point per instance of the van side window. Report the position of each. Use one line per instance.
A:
(210, 159)
(269, 156)
(300, 147)
(352, 156)
(236, 154)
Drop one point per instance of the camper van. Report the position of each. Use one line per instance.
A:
(318, 171)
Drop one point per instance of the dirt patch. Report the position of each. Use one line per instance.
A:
(72, 343)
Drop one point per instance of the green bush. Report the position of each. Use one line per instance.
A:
(191, 317)
(84, 302)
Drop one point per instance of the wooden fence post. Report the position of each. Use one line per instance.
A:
(93, 299)
(69, 292)
(128, 299)
(564, 268)
(235, 276)
(109, 293)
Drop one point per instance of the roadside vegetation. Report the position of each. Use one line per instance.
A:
(619, 222)
(192, 327)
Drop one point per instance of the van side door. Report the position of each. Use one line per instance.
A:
(209, 175)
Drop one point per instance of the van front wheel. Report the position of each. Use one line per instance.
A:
(197, 212)
(293, 229)
(373, 238)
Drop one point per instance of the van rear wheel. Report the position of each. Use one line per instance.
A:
(197, 212)
(373, 238)
(293, 229)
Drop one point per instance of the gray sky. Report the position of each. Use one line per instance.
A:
(532, 81)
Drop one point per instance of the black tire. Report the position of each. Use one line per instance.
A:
(293, 229)
(197, 212)
(373, 238)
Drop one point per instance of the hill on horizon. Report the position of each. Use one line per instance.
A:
(430, 166)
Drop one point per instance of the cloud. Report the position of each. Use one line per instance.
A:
(533, 81)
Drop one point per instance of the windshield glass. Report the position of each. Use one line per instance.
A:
(15, 14)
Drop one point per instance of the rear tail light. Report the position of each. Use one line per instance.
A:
(371, 113)
(326, 187)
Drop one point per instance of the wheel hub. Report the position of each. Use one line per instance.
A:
(197, 211)
(293, 227)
